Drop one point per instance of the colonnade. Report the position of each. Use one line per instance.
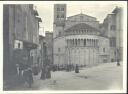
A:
(81, 31)
(82, 42)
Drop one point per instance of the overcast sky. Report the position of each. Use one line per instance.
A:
(94, 9)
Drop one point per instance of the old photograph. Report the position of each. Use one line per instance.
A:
(63, 46)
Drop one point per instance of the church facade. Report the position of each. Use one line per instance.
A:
(77, 39)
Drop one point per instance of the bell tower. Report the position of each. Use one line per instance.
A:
(59, 14)
(59, 19)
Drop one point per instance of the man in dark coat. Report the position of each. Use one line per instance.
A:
(76, 69)
(48, 72)
(118, 63)
(43, 73)
(29, 77)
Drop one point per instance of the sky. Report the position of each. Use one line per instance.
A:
(94, 9)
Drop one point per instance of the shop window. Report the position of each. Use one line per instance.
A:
(112, 42)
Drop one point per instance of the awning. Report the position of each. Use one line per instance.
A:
(39, 19)
(29, 45)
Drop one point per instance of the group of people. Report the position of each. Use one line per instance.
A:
(45, 72)
(28, 76)
(68, 67)
(25, 74)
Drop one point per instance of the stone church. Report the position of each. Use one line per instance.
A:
(77, 39)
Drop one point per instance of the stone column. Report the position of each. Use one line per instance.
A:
(67, 42)
(94, 43)
(70, 42)
(73, 42)
(82, 44)
(78, 42)
(90, 42)
(87, 42)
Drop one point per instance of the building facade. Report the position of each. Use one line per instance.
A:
(49, 43)
(112, 28)
(20, 36)
(77, 39)
(118, 11)
(42, 48)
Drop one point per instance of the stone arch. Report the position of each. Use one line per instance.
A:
(84, 42)
(78, 42)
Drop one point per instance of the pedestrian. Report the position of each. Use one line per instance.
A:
(76, 69)
(43, 73)
(118, 64)
(48, 72)
(67, 67)
(29, 77)
(25, 74)
(54, 68)
(35, 70)
(18, 70)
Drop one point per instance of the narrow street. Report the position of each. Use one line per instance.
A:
(101, 77)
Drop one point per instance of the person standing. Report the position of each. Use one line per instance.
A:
(43, 73)
(76, 69)
(18, 69)
(29, 77)
(48, 72)
(118, 57)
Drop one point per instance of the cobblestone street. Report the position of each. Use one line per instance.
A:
(102, 77)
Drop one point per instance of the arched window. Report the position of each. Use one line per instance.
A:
(76, 42)
(73, 42)
(84, 42)
(94, 42)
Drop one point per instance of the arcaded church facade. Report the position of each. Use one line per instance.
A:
(77, 39)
